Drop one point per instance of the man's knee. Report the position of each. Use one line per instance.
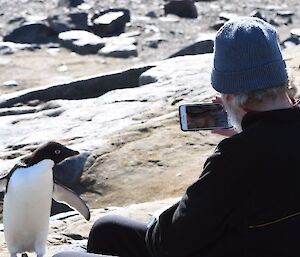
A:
(104, 231)
(105, 227)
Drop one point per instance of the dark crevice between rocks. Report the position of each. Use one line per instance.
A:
(82, 89)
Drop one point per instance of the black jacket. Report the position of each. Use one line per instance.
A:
(246, 201)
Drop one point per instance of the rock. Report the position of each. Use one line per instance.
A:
(70, 3)
(292, 41)
(257, 14)
(204, 44)
(130, 34)
(11, 48)
(10, 83)
(84, 6)
(71, 21)
(119, 50)
(143, 111)
(218, 24)
(280, 20)
(69, 171)
(36, 18)
(285, 13)
(16, 20)
(120, 47)
(104, 107)
(154, 41)
(273, 7)
(223, 17)
(151, 14)
(81, 41)
(69, 232)
(32, 33)
(227, 16)
(80, 89)
(181, 8)
(170, 19)
(168, 69)
(110, 22)
(295, 32)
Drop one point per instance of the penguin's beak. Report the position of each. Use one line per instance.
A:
(67, 154)
(73, 153)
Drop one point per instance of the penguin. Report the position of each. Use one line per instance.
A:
(29, 188)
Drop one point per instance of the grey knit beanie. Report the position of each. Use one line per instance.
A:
(247, 57)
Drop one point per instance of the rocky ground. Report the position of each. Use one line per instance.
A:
(136, 150)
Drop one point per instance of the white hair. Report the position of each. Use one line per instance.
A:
(243, 99)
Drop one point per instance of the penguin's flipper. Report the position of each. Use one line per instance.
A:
(3, 183)
(5, 176)
(67, 196)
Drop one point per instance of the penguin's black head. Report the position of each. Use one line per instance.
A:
(51, 150)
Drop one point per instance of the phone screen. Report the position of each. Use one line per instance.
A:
(203, 116)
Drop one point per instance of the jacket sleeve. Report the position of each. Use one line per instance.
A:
(200, 217)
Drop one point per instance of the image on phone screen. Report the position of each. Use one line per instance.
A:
(202, 117)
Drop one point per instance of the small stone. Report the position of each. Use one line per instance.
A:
(84, 7)
(295, 32)
(274, 23)
(153, 42)
(70, 3)
(285, 13)
(151, 14)
(218, 24)
(227, 16)
(204, 44)
(292, 41)
(272, 7)
(181, 8)
(257, 14)
(119, 50)
(10, 83)
(170, 18)
(62, 68)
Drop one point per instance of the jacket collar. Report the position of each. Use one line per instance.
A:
(281, 116)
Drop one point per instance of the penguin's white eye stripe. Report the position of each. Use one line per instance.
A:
(57, 151)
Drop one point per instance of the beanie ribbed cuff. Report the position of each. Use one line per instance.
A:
(268, 76)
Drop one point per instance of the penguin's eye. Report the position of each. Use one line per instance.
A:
(57, 151)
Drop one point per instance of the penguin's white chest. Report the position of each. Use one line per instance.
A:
(27, 205)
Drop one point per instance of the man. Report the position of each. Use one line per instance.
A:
(247, 200)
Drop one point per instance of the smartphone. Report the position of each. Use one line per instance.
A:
(203, 116)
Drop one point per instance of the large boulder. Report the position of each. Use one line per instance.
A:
(81, 41)
(123, 46)
(203, 45)
(71, 21)
(32, 33)
(84, 88)
(181, 8)
(119, 50)
(110, 22)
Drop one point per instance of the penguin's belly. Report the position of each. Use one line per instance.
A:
(27, 205)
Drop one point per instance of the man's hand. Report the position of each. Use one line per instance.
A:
(223, 132)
